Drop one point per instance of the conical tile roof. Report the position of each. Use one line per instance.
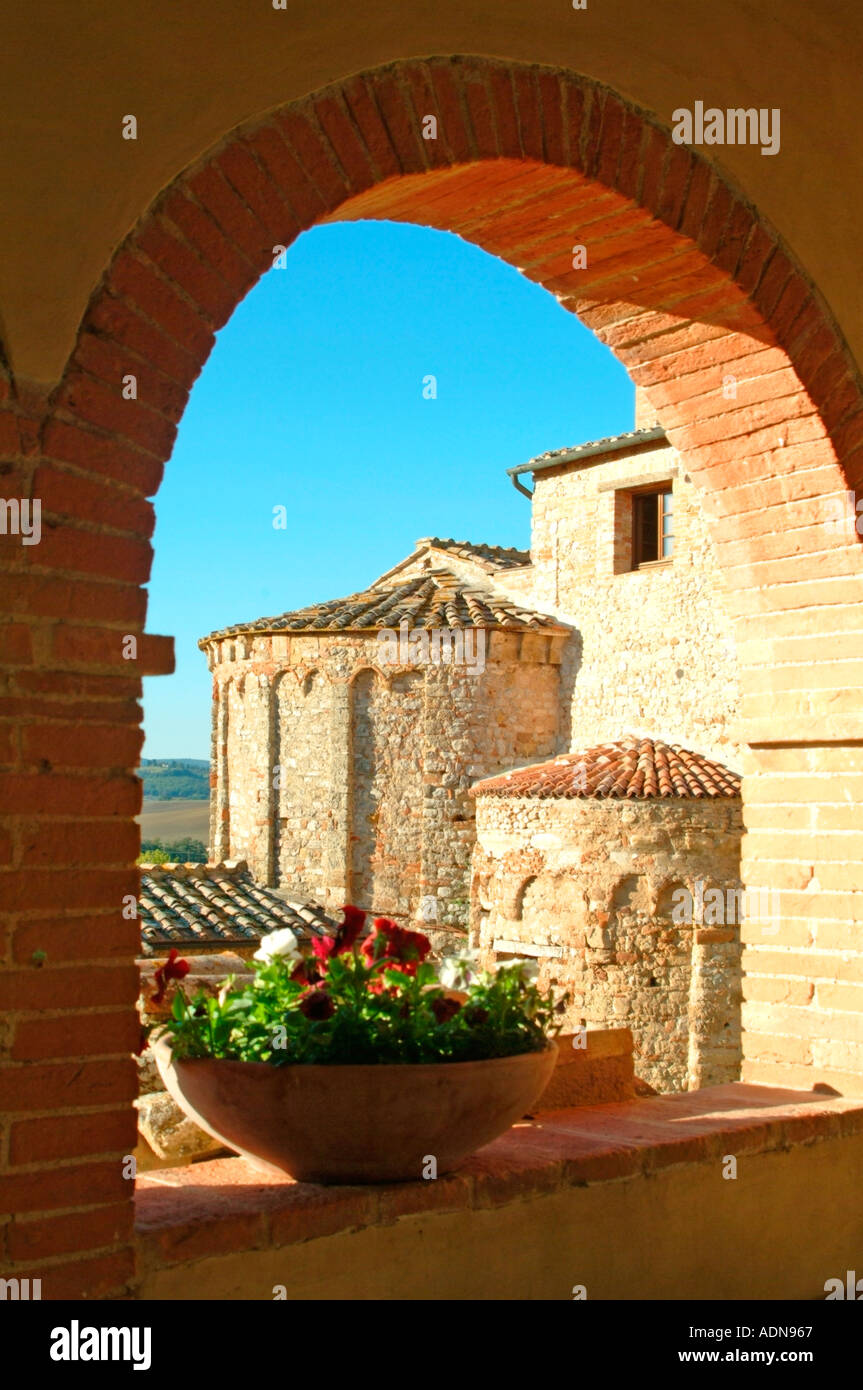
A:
(631, 768)
(435, 599)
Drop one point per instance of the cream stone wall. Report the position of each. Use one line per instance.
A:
(655, 652)
(588, 887)
(303, 806)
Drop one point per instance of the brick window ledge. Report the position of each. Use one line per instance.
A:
(225, 1207)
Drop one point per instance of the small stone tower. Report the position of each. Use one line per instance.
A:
(618, 868)
(346, 735)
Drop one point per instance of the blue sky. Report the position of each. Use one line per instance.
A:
(313, 399)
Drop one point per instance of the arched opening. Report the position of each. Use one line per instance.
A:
(687, 286)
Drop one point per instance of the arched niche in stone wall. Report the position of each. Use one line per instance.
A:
(645, 970)
(386, 790)
(302, 720)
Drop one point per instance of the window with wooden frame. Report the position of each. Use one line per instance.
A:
(652, 527)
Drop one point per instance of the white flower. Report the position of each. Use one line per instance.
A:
(225, 990)
(457, 972)
(277, 944)
(526, 970)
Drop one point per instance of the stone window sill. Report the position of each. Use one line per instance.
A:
(225, 1206)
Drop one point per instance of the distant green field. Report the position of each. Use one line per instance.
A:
(166, 779)
(175, 819)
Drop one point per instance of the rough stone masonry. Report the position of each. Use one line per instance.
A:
(343, 758)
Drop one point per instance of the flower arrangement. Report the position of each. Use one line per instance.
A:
(362, 998)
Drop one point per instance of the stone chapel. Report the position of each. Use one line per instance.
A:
(414, 747)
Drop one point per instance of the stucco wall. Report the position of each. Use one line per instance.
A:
(788, 1222)
(190, 76)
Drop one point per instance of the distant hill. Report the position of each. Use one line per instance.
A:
(170, 779)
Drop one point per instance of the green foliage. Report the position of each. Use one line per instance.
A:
(184, 851)
(170, 779)
(500, 1015)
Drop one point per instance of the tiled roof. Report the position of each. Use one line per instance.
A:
(206, 907)
(491, 557)
(593, 448)
(633, 768)
(435, 599)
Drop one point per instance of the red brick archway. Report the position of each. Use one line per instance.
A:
(685, 283)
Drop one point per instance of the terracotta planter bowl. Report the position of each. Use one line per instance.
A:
(356, 1124)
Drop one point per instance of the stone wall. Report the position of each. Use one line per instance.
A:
(303, 792)
(655, 652)
(593, 889)
(386, 832)
(342, 780)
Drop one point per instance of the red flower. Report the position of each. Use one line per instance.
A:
(400, 948)
(316, 1004)
(354, 921)
(173, 969)
(324, 947)
(306, 972)
(444, 1008)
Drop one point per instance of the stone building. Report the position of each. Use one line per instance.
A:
(620, 551)
(618, 869)
(346, 736)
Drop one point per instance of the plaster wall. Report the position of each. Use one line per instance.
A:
(679, 1233)
(189, 74)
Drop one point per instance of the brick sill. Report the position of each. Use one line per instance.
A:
(225, 1206)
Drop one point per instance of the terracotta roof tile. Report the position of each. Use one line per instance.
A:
(202, 907)
(631, 768)
(491, 557)
(435, 599)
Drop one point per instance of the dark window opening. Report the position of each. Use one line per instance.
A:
(652, 528)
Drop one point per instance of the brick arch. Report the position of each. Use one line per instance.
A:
(684, 282)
